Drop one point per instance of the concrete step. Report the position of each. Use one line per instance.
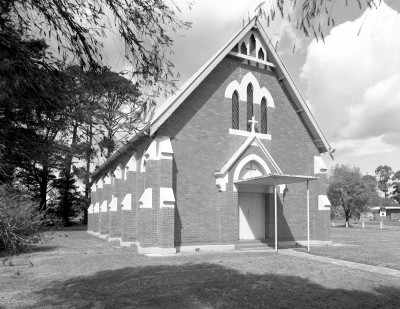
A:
(253, 245)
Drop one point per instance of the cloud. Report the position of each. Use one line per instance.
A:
(353, 84)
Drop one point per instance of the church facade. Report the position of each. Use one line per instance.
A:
(234, 156)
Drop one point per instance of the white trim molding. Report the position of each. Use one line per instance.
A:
(119, 173)
(246, 57)
(167, 198)
(107, 180)
(252, 138)
(103, 207)
(96, 208)
(146, 200)
(258, 93)
(165, 150)
(319, 166)
(323, 202)
(221, 182)
(247, 133)
(242, 164)
(160, 148)
(131, 166)
(100, 184)
(113, 204)
(127, 202)
(249, 158)
(221, 176)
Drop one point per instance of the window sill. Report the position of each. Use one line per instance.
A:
(247, 133)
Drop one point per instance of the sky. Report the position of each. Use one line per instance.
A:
(351, 82)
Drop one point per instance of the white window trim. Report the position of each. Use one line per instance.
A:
(247, 134)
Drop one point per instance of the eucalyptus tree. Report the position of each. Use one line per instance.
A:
(348, 189)
(313, 18)
(383, 175)
(396, 186)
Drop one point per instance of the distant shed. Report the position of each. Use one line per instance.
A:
(386, 213)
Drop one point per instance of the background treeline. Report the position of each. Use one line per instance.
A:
(352, 194)
(62, 109)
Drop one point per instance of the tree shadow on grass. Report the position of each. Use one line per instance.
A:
(204, 285)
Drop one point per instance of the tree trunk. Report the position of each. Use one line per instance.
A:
(66, 203)
(347, 217)
(43, 189)
(87, 176)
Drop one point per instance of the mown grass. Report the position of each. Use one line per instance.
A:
(369, 246)
(75, 270)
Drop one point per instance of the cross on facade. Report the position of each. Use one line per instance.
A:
(253, 122)
(251, 169)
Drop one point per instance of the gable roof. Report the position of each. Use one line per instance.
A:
(252, 138)
(171, 104)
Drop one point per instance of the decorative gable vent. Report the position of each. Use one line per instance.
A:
(251, 48)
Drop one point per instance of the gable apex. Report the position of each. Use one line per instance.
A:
(169, 106)
(252, 138)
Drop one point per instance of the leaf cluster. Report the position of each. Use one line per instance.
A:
(350, 190)
(311, 17)
(19, 221)
(78, 29)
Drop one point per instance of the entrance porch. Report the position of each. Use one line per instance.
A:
(256, 203)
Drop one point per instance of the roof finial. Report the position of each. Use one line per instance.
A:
(253, 122)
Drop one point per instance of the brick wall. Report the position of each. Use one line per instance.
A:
(115, 219)
(202, 144)
(104, 216)
(199, 132)
(128, 231)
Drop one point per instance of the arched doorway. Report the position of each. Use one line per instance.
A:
(251, 200)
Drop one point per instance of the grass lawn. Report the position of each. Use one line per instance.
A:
(76, 270)
(369, 246)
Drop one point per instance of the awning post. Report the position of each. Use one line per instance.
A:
(276, 216)
(308, 217)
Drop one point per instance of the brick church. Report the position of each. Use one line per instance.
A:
(233, 157)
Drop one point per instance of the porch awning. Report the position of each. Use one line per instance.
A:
(281, 179)
(274, 179)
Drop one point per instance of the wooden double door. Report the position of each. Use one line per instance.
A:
(251, 216)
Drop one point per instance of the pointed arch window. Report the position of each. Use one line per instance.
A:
(252, 45)
(235, 111)
(261, 54)
(264, 116)
(249, 106)
(243, 49)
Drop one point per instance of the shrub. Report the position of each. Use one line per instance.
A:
(19, 221)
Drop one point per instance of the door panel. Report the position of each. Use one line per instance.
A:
(251, 216)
